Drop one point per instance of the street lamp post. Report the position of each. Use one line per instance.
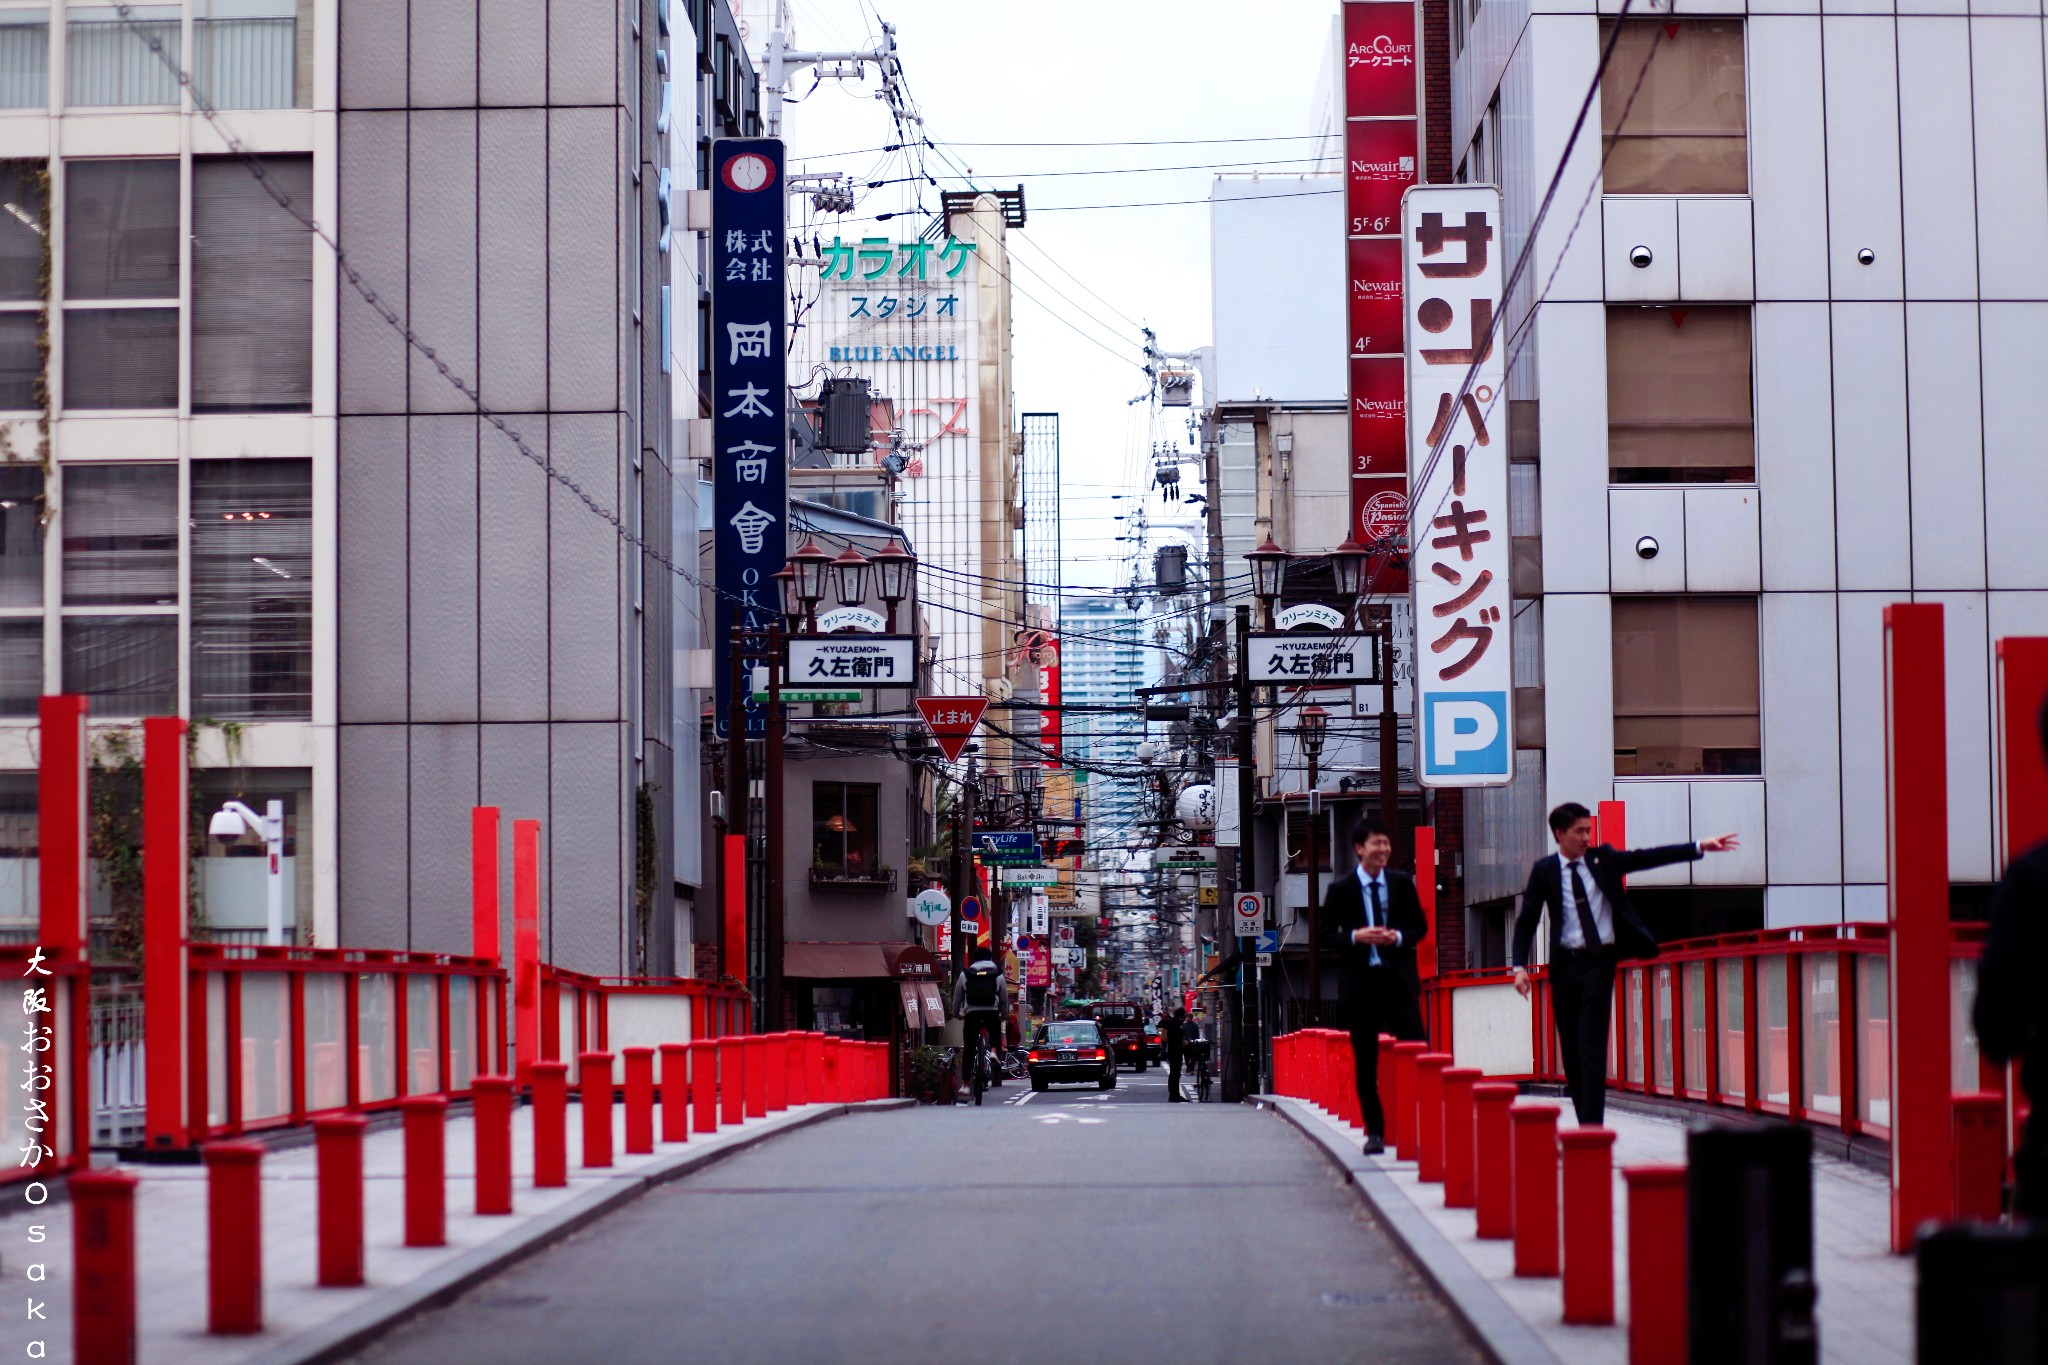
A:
(1269, 575)
(895, 568)
(809, 565)
(1315, 723)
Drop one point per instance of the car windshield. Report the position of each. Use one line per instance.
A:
(1068, 1035)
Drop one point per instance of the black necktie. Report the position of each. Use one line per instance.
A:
(1587, 928)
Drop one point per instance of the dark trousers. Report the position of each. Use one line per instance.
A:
(1377, 1001)
(2030, 1170)
(1172, 1075)
(976, 1023)
(1582, 998)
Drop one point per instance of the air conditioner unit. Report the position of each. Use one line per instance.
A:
(843, 417)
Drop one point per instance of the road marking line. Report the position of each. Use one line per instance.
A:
(1024, 1098)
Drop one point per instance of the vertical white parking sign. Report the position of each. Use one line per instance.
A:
(1451, 248)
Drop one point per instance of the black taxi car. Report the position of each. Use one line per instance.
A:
(1069, 1051)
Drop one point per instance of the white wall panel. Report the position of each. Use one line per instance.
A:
(1736, 807)
(1578, 698)
(1721, 540)
(1659, 812)
(1564, 51)
(2012, 164)
(1861, 74)
(1871, 499)
(1714, 263)
(1787, 906)
(2015, 469)
(1936, 166)
(2016, 613)
(1857, 6)
(1861, 637)
(1865, 904)
(1633, 513)
(1629, 222)
(1573, 418)
(1946, 452)
(1788, 155)
(1795, 445)
(1802, 736)
(1968, 678)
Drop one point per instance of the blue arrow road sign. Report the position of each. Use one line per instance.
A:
(1269, 941)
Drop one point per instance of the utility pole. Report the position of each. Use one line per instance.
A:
(1250, 1049)
(1390, 737)
(783, 61)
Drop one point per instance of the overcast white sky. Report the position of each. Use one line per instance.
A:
(1000, 71)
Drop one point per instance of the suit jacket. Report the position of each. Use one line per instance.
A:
(1344, 911)
(1632, 938)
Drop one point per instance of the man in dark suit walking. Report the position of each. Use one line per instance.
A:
(1592, 928)
(1374, 920)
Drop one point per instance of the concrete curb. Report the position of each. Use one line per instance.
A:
(1497, 1328)
(345, 1335)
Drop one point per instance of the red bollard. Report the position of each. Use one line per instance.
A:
(675, 1092)
(639, 1100)
(492, 1106)
(732, 1080)
(795, 1075)
(775, 1073)
(704, 1085)
(1458, 1144)
(1535, 1141)
(814, 1068)
(550, 1124)
(103, 1266)
(338, 1173)
(1401, 1113)
(1980, 1155)
(426, 1169)
(1493, 1181)
(759, 1049)
(1588, 1225)
(1656, 1265)
(234, 1237)
(1429, 1115)
(1345, 1078)
(594, 1088)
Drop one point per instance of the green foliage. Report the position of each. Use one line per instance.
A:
(113, 837)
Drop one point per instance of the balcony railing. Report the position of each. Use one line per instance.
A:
(840, 879)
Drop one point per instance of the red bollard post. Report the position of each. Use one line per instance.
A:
(774, 1072)
(1588, 1155)
(1493, 1181)
(1429, 1115)
(1346, 1081)
(759, 1049)
(103, 1266)
(426, 1169)
(1458, 1135)
(675, 1092)
(1401, 1111)
(639, 1100)
(704, 1085)
(814, 1068)
(338, 1173)
(795, 1075)
(234, 1237)
(829, 1065)
(1535, 1157)
(1980, 1155)
(1656, 1265)
(594, 1088)
(550, 1124)
(493, 1114)
(732, 1080)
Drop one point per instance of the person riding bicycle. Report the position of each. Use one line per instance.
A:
(980, 1003)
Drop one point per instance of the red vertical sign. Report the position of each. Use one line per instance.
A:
(1382, 157)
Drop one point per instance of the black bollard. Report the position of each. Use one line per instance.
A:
(1982, 1296)
(1749, 1235)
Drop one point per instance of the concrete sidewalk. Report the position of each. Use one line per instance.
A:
(304, 1323)
(1866, 1293)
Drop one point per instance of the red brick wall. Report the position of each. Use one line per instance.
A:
(1436, 91)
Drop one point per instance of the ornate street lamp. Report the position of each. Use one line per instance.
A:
(792, 604)
(809, 565)
(1269, 572)
(895, 570)
(1347, 566)
(850, 577)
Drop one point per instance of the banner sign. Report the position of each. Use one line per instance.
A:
(1458, 494)
(860, 661)
(1313, 658)
(749, 387)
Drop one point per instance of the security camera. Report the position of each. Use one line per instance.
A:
(1865, 256)
(1640, 257)
(226, 826)
(1646, 547)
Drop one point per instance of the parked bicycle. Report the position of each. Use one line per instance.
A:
(1196, 1053)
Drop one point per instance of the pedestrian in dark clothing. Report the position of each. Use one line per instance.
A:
(2012, 1008)
(1176, 1034)
(1374, 920)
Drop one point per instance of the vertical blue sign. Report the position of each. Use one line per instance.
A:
(749, 388)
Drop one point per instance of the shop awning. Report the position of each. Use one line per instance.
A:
(834, 961)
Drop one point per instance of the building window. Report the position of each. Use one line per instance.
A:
(1687, 701)
(252, 287)
(252, 589)
(248, 53)
(126, 665)
(121, 243)
(24, 59)
(21, 664)
(23, 222)
(111, 60)
(1687, 128)
(1678, 396)
(19, 883)
(845, 838)
(120, 526)
(21, 535)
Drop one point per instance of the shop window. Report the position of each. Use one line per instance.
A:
(1687, 700)
(1686, 130)
(1678, 396)
(120, 530)
(24, 58)
(252, 287)
(252, 589)
(112, 60)
(845, 838)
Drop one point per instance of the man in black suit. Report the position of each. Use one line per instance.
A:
(1373, 920)
(2011, 1013)
(1592, 928)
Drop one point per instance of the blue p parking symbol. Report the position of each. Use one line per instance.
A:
(1465, 734)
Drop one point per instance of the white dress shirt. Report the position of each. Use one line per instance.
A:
(1568, 926)
(1365, 888)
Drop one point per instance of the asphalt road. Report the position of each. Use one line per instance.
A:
(1069, 1226)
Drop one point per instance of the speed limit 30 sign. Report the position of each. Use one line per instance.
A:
(1250, 909)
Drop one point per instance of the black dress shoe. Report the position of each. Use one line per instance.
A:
(1374, 1146)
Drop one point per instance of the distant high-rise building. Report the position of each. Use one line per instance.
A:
(1103, 662)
